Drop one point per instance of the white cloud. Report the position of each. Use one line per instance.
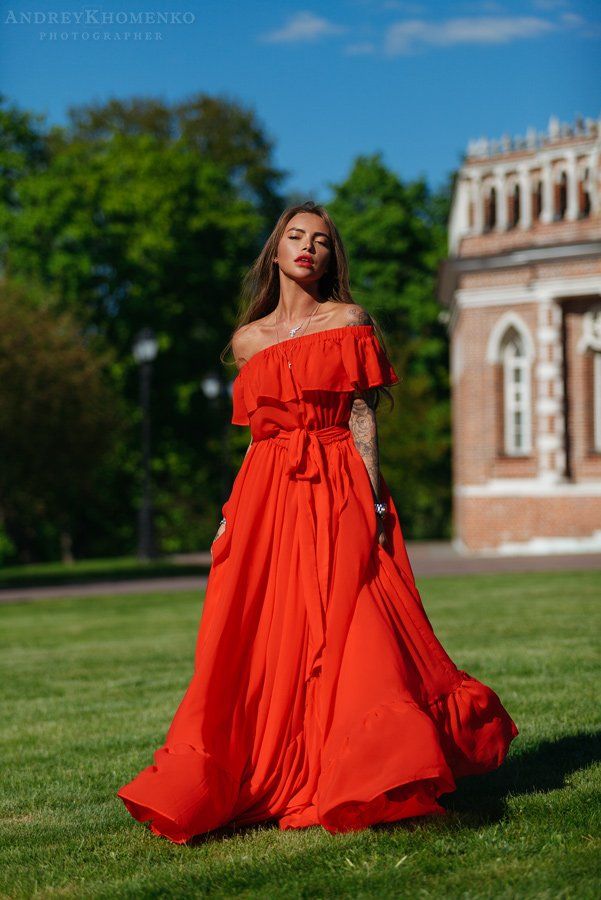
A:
(304, 26)
(403, 37)
(572, 20)
(360, 49)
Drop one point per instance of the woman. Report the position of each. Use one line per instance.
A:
(320, 693)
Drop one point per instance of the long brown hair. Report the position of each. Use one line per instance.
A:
(260, 290)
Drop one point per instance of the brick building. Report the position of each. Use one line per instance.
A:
(522, 288)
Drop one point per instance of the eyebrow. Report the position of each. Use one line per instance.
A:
(322, 233)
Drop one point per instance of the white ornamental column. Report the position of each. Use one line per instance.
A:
(549, 424)
(547, 210)
(593, 167)
(501, 200)
(525, 197)
(572, 209)
(478, 206)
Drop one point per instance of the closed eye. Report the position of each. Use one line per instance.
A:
(293, 237)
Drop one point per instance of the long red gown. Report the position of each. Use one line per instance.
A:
(320, 693)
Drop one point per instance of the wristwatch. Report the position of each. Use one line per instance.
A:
(381, 508)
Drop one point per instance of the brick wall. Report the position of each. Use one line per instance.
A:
(539, 235)
(485, 523)
(476, 401)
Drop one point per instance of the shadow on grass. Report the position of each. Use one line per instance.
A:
(229, 831)
(541, 769)
(480, 799)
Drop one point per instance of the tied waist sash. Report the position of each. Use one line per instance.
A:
(305, 455)
(306, 463)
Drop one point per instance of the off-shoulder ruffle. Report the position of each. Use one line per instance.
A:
(348, 358)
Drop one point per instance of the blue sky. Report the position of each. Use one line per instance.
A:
(328, 81)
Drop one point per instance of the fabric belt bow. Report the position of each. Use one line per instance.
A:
(305, 453)
(305, 463)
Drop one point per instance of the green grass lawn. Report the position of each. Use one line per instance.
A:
(89, 688)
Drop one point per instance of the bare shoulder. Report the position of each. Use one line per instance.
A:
(353, 314)
(243, 341)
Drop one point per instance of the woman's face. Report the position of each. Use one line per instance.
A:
(305, 248)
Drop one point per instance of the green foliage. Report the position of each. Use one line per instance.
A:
(23, 148)
(130, 224)
(142, 213)
(60, 421)
(395, 237)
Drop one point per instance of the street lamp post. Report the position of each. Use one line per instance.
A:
(145, 350)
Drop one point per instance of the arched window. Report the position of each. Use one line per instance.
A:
(490, 210)
(517, 437)
(561, 196)
(514, 207)
(584, 196)
(537, 201)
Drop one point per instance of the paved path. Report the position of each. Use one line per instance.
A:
(427, 558)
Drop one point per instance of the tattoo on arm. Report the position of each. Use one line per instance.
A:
(362, 422)
(356, 315)
(364, 429)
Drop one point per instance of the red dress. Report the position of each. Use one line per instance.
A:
(320, 693)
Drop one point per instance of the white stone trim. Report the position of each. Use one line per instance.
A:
(508, 320)
(547, 370)
(551, 436)
(456, 359)
(544, 546)
(548, 442)
(547, 334)
(539, 546)
(546, 159)
(541, 291)
(572, 210)
(597, 401)
(591, 335)
(529, 487)
(547, 406)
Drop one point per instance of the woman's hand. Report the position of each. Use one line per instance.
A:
(381, 533)
(220, 531)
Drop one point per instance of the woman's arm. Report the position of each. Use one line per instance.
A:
(364, 428)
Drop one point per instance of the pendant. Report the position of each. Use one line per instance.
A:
(293, 331)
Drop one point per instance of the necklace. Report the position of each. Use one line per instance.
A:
(293, 331)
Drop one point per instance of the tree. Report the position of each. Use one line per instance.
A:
(217, 128)
(132, 223)
(395, 235)
(60, 422)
